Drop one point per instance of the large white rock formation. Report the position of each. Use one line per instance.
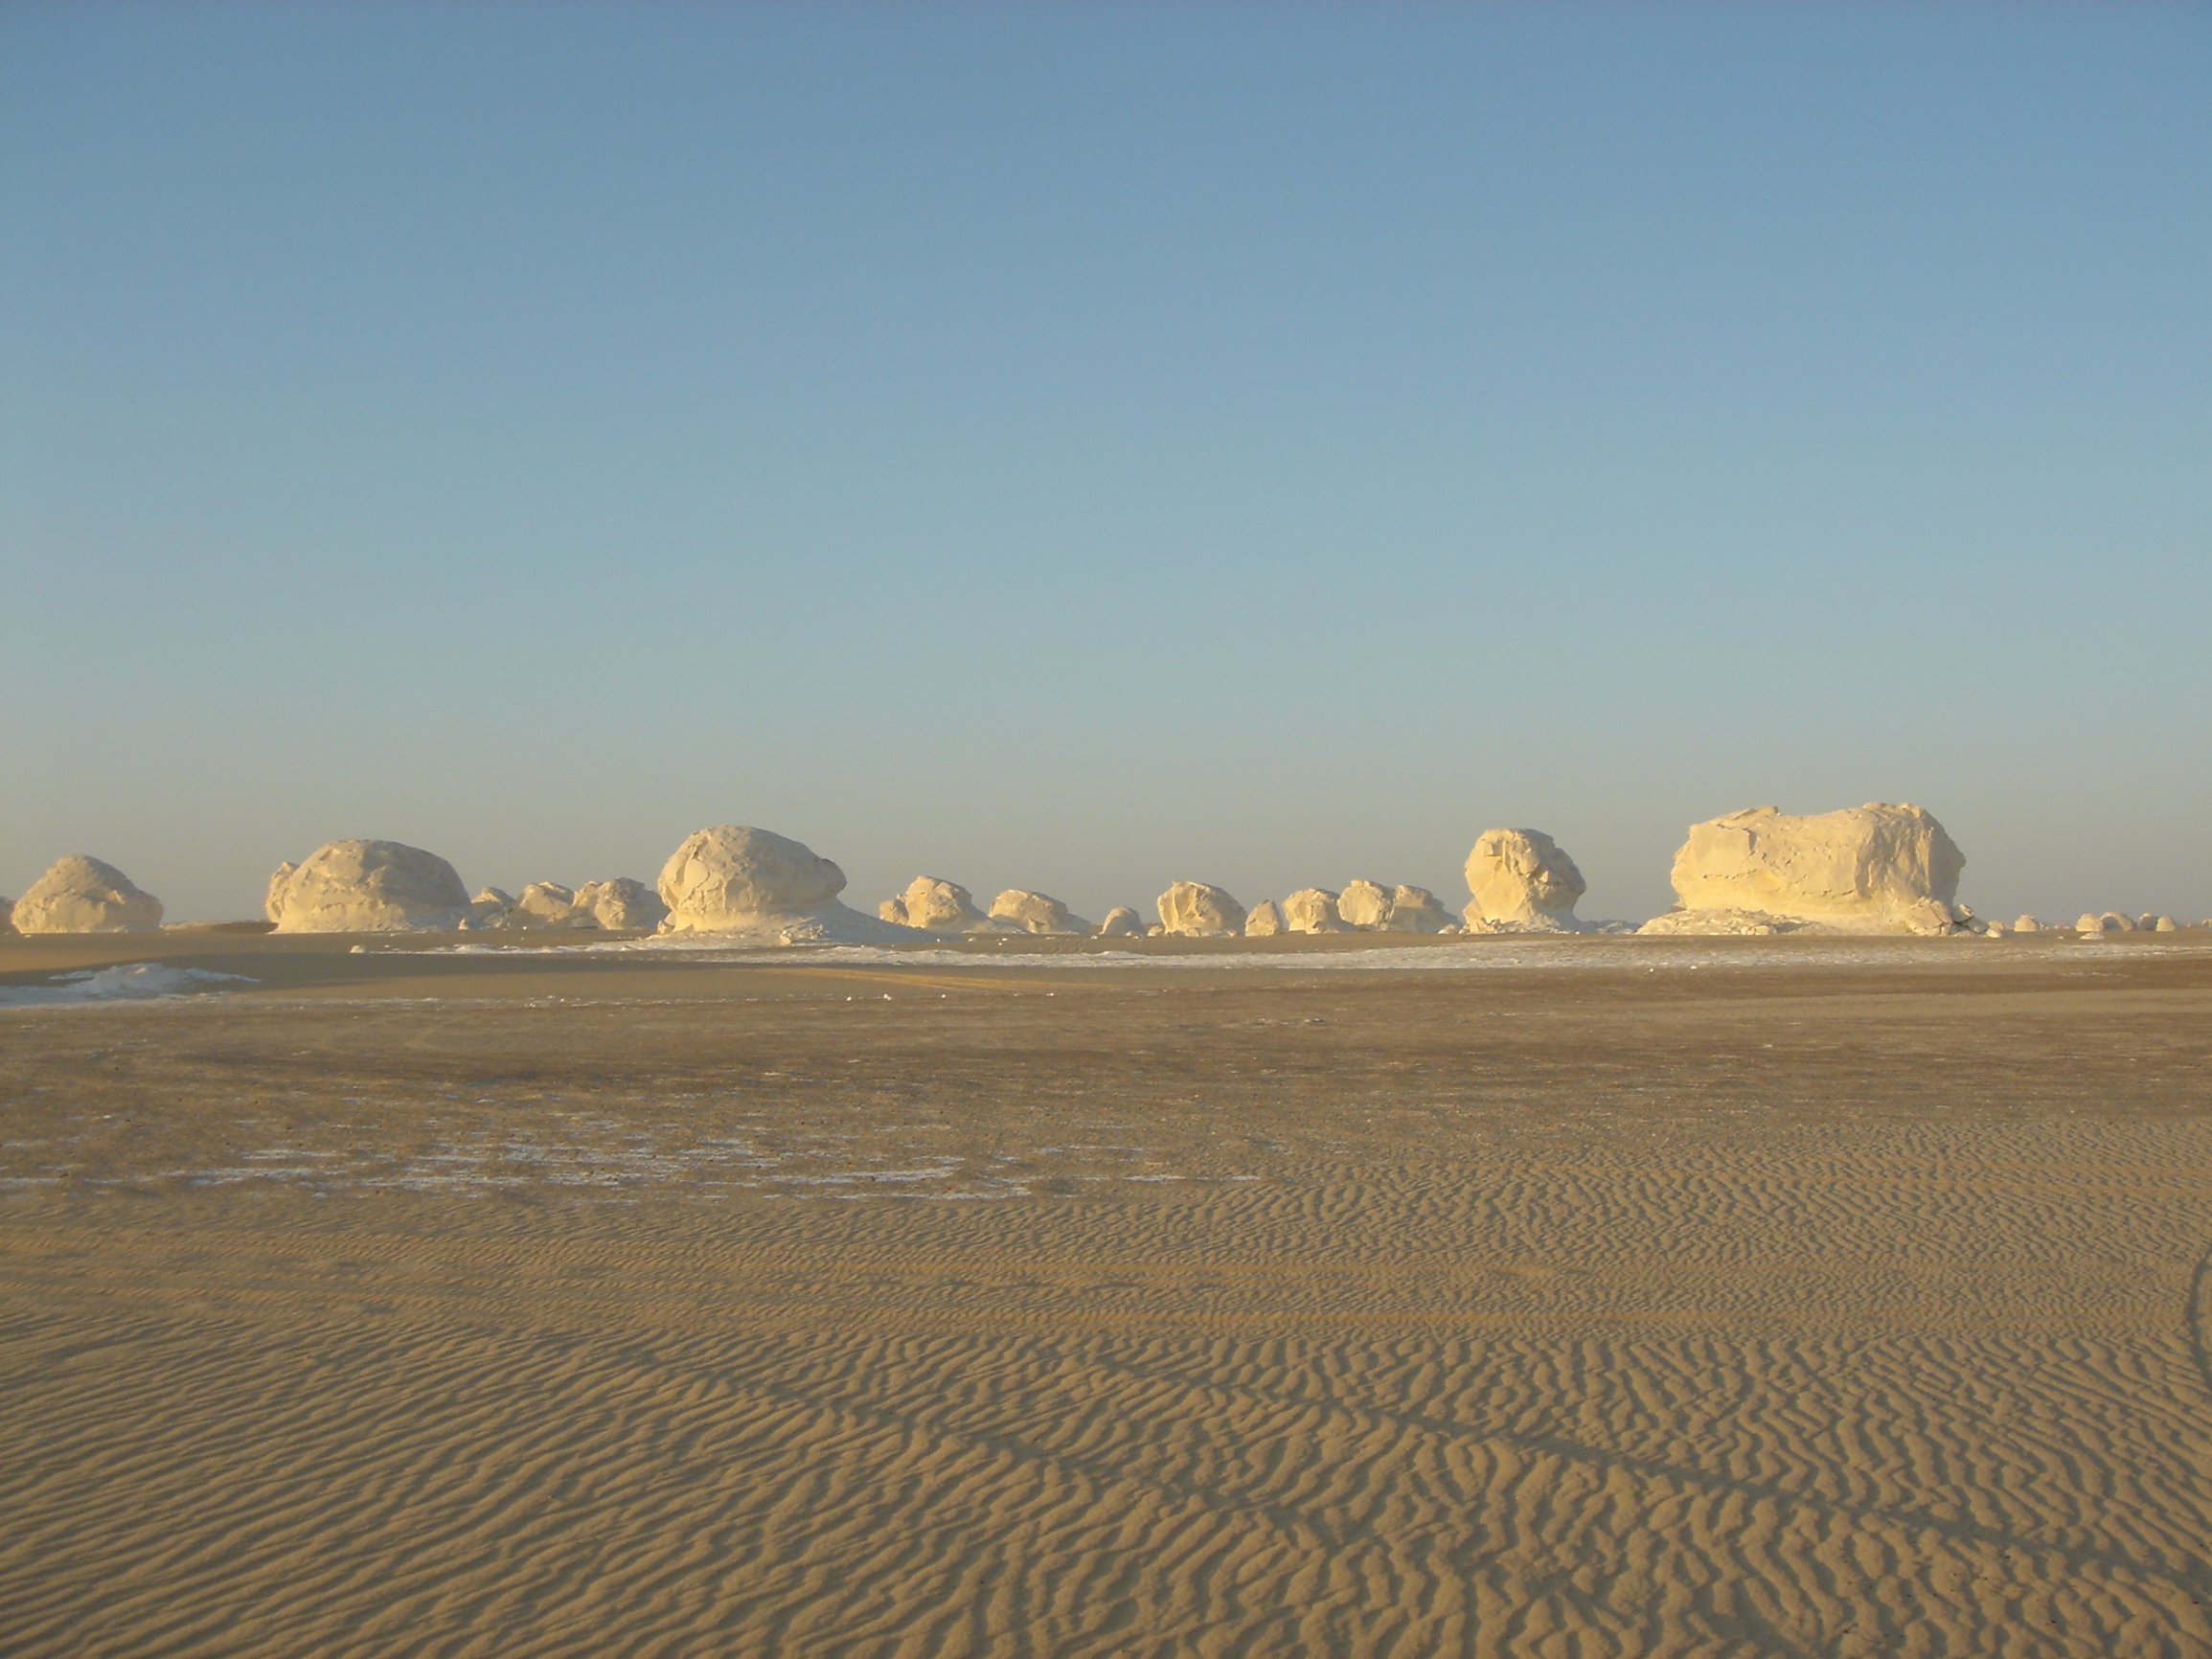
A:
(1263, 920)
(1035, 913)
(760, 886)
(492, 907)
(621, 905)
(368, 887)
(1122, 923)
(1523, 882)
(1200, 910)
(549, 904)
(83, 895)
(1364, 904)
(1872, 869)
(1313, 910)
(936, 905)
(1416, 910)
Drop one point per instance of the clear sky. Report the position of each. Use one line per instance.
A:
(1075, 448)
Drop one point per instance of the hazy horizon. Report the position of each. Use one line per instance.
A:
(1077, 448)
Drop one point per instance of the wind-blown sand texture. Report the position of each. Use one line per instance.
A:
(495, 1303)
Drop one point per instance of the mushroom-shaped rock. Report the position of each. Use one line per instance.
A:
(1313, 910)
(736, 880)
(1122, 923)
(1416, 910)
(1522, 881)
(937, 905)
(1263, 920)
(368, 887)
(1364, 904)
(1200, 910)
(84, 895)
(549, 904)
(1878, 868)
(2165, 924)
(621, 905)
(1035, 913)
(2027, 925)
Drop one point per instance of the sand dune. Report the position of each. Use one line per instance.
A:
(1851, 1310)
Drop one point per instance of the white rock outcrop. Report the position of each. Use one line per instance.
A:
(368, 887)
(2027, 925)
(1874, 869)
(492, 907)
(1313, 910)
(2108, 922)
(1364, 904)
(621, 905)
(1029, 912)
(1263, 920)
(1417, 910)
(1523, 882)
(760, 886)
(936, 905)
(1122, 923)
(1200, 910)
(549, 904)
(79, 894)
(2165, 924)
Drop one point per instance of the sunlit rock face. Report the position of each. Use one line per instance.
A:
(368, 887)
(1029, 912)
(1522, 881)
(756, 885)
(935, 905)
(84, 895)
(1363, 904)
(1417, 910)
(1200, 910)
(1122, 923)
(621, 904)
(1263, 920)
(1878, 868)
(1313, 910)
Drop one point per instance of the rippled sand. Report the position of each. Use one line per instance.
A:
(1735, 1300)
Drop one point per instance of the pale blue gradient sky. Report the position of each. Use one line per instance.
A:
(1075, 448)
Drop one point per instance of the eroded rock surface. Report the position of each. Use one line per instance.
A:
(752, 883)
(1417, 910)
(1364, 904)
(1313, 910)
(368, 887)
(1200, 910)
(1122, 923)
(80, 893)
(1522, 881)
(1878, 868)
(936, 905)
(1035, 913)
(1263, 920)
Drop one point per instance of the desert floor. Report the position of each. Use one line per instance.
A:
(1583, 1298)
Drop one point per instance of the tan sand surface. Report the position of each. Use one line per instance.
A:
(1665, 1300)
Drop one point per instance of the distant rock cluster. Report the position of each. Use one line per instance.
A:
(1879, 868)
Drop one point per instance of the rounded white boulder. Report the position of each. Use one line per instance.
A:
(368, 887)
(84, 895)
(1035, 913)
(1523, 881)
(1200, 910)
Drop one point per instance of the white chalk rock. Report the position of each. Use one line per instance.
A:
(368, 887)
(1523, 882)
(1035, 913)
(2027, 925)
(1746, 922)
(755, 884)
(1872, 869)
(1263, 920)
(493, 907)
(549, 904)
(1199, 910)
(621, 905)
(1122, 923)
(1416, 910)
(83, 895)
(2165, 924)
(1363, 904)
(1313, 910)
(936, 905)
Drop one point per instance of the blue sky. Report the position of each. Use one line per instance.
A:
(1078, 446)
